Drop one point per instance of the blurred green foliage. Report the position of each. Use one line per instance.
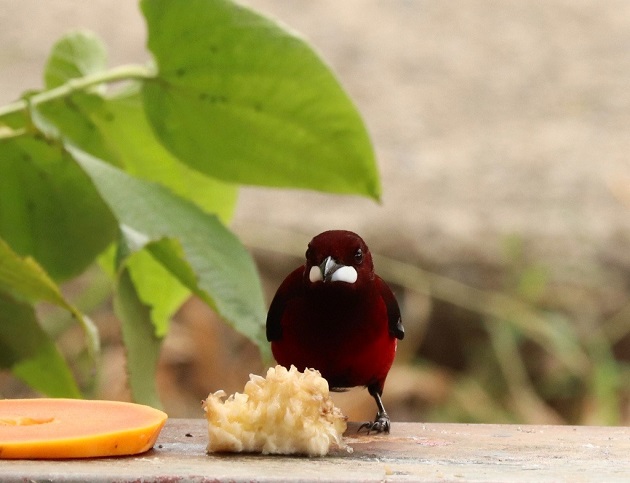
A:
(520, 351)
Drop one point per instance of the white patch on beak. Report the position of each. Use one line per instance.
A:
(344, 274)
(315, 275)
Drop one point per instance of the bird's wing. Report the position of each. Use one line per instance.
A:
(288, 289)
(393, 311)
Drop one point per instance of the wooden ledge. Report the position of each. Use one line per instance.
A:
(412, 452)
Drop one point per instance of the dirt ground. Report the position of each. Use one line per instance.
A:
(491, 120)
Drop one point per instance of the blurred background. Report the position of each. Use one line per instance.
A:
(502, 132)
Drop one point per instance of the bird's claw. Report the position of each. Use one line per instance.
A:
(380, 425)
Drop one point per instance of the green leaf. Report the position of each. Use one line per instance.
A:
(157, 289)
(123, 124)
(49, 209)
(243, 100)
(207, 258)
(116, 130)
(70, 120)
(25, 280)
(76, 54)
(30, 354)
(141, 342)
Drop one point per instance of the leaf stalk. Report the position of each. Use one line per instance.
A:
(117, 74)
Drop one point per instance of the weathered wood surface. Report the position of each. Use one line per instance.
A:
(412, 452)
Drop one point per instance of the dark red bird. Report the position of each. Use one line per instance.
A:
(334, 314)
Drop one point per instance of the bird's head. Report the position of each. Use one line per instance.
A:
(338, 257)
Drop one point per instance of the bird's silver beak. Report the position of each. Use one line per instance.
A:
(328, 267)
(331, 271)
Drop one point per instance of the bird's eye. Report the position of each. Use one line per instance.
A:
(309, 253)
(358, 256)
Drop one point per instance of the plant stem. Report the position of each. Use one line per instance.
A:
(117, 74)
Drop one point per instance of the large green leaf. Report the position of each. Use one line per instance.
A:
(244, 100)
(49, 209)
(207, 257)
(28, 351)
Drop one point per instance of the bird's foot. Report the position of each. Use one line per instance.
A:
(380, 425)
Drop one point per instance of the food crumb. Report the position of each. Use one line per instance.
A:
(286, 412)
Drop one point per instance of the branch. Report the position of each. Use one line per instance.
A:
(117, 74)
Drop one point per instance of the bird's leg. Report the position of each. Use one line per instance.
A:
(381, 423)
